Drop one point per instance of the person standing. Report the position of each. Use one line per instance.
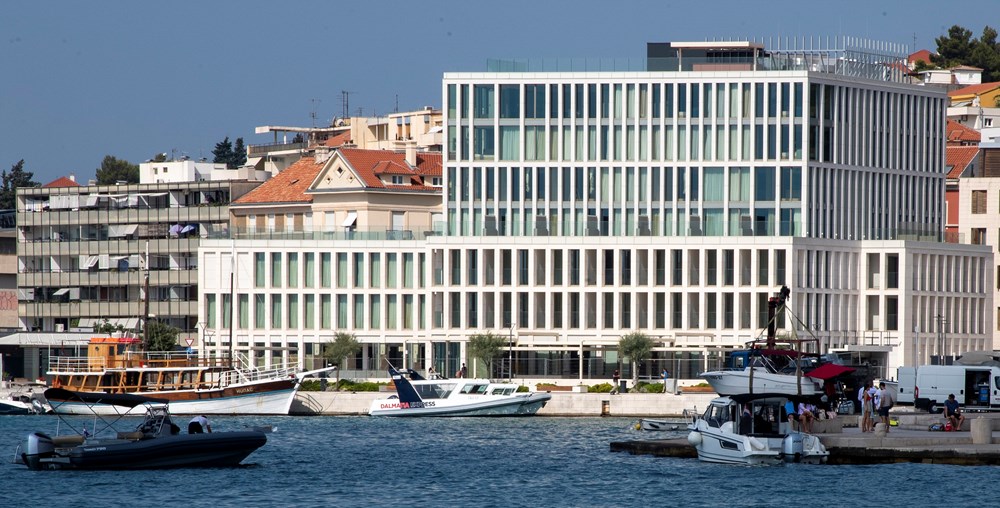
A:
(885, 404)
(615, 377)
(867, 405)
(198, 425)
(666, 377)
(462, 372)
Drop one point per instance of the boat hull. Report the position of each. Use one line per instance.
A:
(220, 449)
(482, 405)
(735, 382)
(266, 398)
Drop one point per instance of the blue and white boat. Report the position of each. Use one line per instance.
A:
(417, 396)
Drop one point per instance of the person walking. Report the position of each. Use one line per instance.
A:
(666, 377)
(615, 377)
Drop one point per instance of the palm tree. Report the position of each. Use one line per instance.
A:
(636, 346)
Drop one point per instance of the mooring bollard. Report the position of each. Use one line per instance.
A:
(982, 430)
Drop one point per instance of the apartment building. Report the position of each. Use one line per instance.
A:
(85, 253)
(580, 205)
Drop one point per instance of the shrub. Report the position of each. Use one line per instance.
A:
(601, 388)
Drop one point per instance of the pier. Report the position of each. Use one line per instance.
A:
(977, 444)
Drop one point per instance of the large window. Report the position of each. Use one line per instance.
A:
(510, 104)
(534, 101)
(483, 101)
(979, 201)
(764, 184)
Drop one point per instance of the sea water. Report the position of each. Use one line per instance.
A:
(460, 462)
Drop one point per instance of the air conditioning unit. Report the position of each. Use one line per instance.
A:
(60, 327)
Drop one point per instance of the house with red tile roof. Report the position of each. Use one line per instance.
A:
(420, 130)
(62, 181)
(960, 135)
(384, 193)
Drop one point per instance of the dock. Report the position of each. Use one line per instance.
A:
(854, 447)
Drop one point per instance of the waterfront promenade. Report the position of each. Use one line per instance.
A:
(562, 403)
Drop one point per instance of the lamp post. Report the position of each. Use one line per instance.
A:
(941, 322)
(510, 354)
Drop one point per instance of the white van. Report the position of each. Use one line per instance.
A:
(928, 386)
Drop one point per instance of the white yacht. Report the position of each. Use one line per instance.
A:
(416, 396)
(733, 382)
(752, 429)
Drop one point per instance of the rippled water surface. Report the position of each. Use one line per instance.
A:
(534, 461)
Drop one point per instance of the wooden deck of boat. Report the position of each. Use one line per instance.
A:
(854, 447)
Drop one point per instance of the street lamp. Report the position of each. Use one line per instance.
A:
(510, 354)
(941, 323)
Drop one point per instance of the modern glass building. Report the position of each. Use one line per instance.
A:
(587, 200)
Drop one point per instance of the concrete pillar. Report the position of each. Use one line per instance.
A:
(982, 431)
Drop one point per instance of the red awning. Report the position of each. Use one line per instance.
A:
(829, 371)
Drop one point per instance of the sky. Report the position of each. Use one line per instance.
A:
(82, 80)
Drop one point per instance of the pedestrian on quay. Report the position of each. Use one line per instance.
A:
(615, 377)
(867, 405)
(666, 377)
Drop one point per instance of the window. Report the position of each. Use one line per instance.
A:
(979, 201)
(397, 179)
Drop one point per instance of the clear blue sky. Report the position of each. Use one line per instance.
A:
(82, 80)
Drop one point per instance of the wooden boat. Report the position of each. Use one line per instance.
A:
(191, 385)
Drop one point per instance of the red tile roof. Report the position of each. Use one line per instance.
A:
(959, 134)
(975, 89)
(62, 181)
(923, 54)
(957, 158)
(288, 186)
(338, 140)
(369, 164)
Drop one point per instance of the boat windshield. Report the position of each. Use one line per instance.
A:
(474, 388)
(716, 415)
(435, 390)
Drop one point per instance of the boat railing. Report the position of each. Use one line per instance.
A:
(246, 372)
(76, 364)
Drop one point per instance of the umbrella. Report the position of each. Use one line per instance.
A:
(189, 227)
(175, 229)
(828, 371)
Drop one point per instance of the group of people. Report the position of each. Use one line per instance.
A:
(804, 415)
(874, 400)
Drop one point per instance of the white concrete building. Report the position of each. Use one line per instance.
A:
(673, 199)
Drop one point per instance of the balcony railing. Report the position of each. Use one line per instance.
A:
(258, 150)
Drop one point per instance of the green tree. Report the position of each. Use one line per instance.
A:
(159, 336)
(954, 48)
(160, 157)
(232, 156)
(958, 47)
(635, 346)
(344, 344)
(485, 347)
(16, 177)
(223, 152)
(115, 170)
(239, 157)
(108, 328)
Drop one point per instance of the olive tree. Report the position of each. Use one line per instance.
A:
(636, 346)
(344, 344)
(485, 347)
(160, 336)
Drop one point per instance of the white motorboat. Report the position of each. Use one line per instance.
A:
(752, 429)
(416, 396)
(732, 382)
(668, 424)
(23, 399)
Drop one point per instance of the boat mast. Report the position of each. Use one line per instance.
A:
(145, 297)
(232, 305)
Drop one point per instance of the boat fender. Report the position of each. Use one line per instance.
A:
(756, 444)
(694, 437)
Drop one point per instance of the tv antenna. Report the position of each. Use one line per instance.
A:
(312, 113)
(345, 102)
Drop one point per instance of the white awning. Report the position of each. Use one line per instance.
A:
(61, 292)
(351, 218)
(121, 230)
(89, 322)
